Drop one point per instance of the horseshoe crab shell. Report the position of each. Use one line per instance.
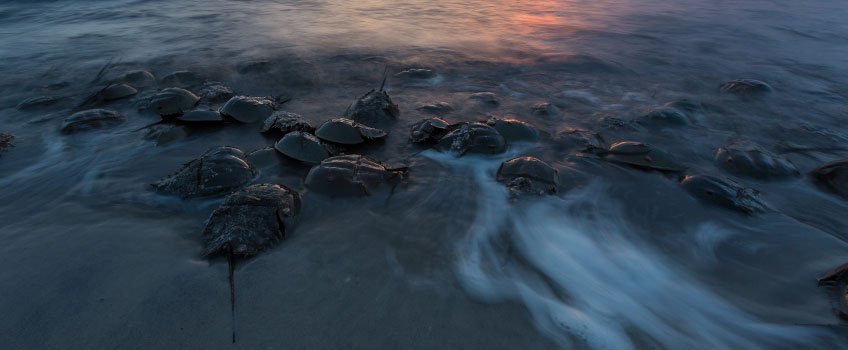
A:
(91, 119)
(528, 175)
(351, 175)
(248, 109)
(746, 87)
(172, 102)
(303, 147)
(347, 132)
(250, 220)
(745, 159)
(643, 156)
(473, 138)
(221, 169)
(514, 130)
(833, 176)
(373, 107)
(117, 92)
(430, 129)
(286, 122)
(723, 192)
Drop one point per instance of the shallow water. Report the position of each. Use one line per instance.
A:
(618, 259)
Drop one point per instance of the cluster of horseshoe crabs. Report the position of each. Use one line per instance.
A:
(254, 217)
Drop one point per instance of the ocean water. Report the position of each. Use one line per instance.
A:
(619, 258)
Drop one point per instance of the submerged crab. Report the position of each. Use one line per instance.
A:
(303, 147)
(833, 176)
(836, 281)
(724, 192)
(221, 169)
(643, 156)
(514, 130)
(351, 175)
(473, 138)
(528, 175)
(746, 159)
(91, 119)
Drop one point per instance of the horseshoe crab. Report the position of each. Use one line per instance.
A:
(201, 117)
(473, 138)
(182, 79)
(374, 107)
(117, 92)
(485, 99)
(286, 122)
(836, 281)
(91, 119)
(514, 130)
(171, 102)
(36, 103)
(416, 73)
(724, 192)
(545, 109)
(139, 78)
(6, 142)
(351, 175)
(580, 140)
(437, 108)
(430, 129)
(746, 159)
(643, 156)
(833, 176)
(528, 175)
(303, 147)
(264, 157)
(220, 169)
(214, 92)
(248, 222)
(248, 109)
(746, 87)
(347, 132)
(663, 116)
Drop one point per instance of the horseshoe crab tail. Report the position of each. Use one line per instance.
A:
(385, 75)
(232, 295)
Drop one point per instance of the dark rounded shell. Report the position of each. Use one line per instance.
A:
(351, 175)
(303, 147)
(182, 79)
(642, 156)
(347, 132)
(286, 122)
(36, 103)
(221, 169)
(833, 176)
(488, 99)
(91, 119)
(416, 73)
(437, 108)
(545, 109)
(373, 107)
(749, 160)
(428, 129)
(250, 220)
(200, 117)
(248, 109)
(264, 157)
(723, 192)
(139, 78)
(664, 116)
(214, 92)
(473, 138)
(746, 87)
(117, 91)
(514, 130)
(580, 140)
(173, 101)
(528, 175)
